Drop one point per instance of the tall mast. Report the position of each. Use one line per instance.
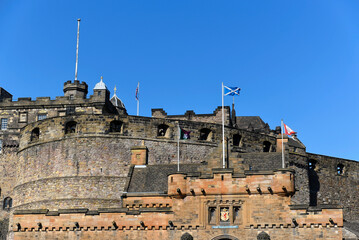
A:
(77, 46)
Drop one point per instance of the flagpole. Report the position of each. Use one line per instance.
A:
(138, 99)
(77, 46)
(281, 127)
(179, 135)
(224, 161)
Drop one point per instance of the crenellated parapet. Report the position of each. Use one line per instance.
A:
(224, 182)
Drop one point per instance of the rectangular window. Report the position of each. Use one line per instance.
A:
(41, 116)
(3, 123)
(23, 117)
(212, 215)
(236, 216)
(0, 145)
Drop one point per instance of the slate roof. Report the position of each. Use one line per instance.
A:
(353, 227)
(295, 143)
(250, 123)
(153, 178)
(117, 102)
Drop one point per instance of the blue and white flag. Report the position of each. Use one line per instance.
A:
(231, 91)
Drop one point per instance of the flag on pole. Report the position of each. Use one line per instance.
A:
(184, 135)
(137, 90)
(231, 91)
(288, 130)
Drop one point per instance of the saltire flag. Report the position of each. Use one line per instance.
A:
(184, 134)
(288, 130)
(231, 91)
(137, 90)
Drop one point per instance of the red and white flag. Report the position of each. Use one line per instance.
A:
(288, 130)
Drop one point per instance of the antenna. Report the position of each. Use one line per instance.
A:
(77, 46)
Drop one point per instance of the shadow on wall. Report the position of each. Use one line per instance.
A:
(314, 185)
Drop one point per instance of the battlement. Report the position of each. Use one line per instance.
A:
(75, 89)
(224, 182)
(190, 115)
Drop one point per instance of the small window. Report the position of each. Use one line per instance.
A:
(0, 145)
(162, 130)
(70, 127)
(99, 93)
(116, 126)
(236, 216)
(205, 134)
(312, 164)
(41, 116)
(35, 134)
(236, 139)
(23, 117)
(3, 123)
(7, 203)
(212, 215)
(340, 169)
(71, 97)
(266, 146)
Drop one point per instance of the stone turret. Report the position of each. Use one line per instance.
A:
(75, 89)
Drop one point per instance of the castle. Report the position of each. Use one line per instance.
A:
(79, 167)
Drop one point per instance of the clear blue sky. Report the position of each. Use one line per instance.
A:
(294, 60)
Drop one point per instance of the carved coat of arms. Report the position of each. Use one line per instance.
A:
(224, 215)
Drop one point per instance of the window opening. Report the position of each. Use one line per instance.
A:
(35, 134)
(266, 146)
(7, 203)
(162, 130)
(340, 169)
(70, 127)
(205, 134)
(236, 139)
(23, 117)
(311, 164)
(236, 213)
(41, 116)
(212, 215)
(116, 126)
(3, 123)
(0, 145)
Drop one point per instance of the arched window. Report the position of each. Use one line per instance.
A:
(205, 134)
(70, 127)
(237, 139)
(340, 169)
(7, 203)
(162, 130)
(186, 236)
(35, 134)
(263, 236)
(266, 146)
(116, 126)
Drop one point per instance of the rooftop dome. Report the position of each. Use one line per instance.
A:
(100, 85)
(116, 101)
